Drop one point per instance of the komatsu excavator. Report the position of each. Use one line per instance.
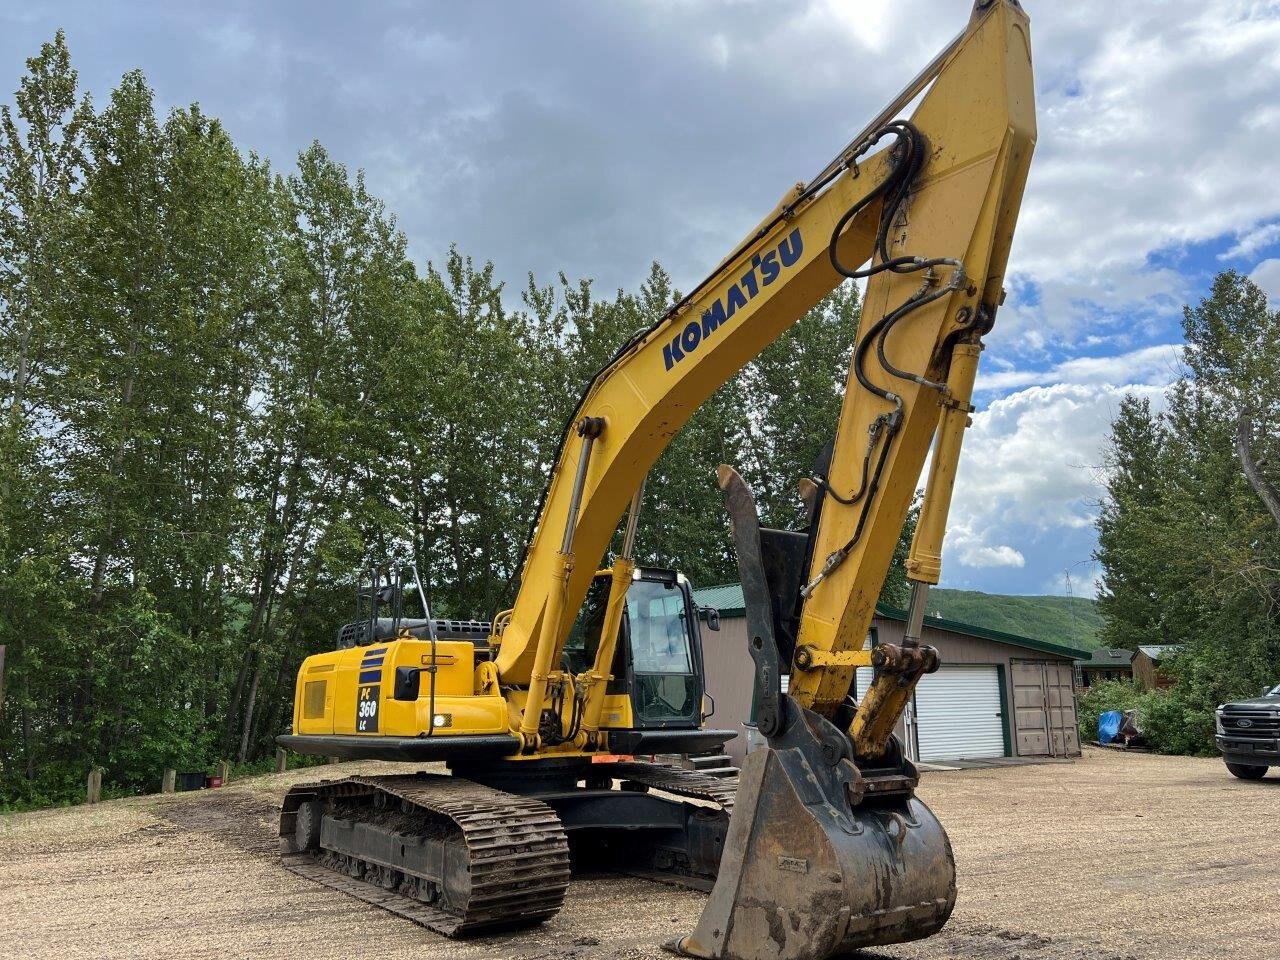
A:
(824, 848)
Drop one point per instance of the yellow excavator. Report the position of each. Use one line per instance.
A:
(823, 847)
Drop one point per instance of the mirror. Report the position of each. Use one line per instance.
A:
(408, 683)
(712, 616)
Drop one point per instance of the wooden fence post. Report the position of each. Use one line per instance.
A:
(224, 772)
(282, 760)
(169, 782)
(94, 791)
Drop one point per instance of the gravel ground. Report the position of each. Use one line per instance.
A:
(1112, 857)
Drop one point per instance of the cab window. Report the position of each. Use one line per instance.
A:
(659, 629)
(667, 690)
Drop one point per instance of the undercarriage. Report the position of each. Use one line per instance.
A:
(493, 845)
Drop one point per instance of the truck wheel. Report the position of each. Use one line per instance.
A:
(1247, 771)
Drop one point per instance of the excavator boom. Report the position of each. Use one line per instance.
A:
(976, 128)
(829, 850)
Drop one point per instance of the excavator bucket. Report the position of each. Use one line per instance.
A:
(824, 854)
(820, 861)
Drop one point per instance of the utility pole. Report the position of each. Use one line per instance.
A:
(1, 679)
(1071, 597)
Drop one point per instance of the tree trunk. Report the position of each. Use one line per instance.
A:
(20, 380)
(269, 719)
(1263, 487)
(117, 462)
(28, 750)
(245, 736)
(237, 691)
(274, 537)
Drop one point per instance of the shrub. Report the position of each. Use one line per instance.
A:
(1104, 696)
(1175, 723)
(1172, 721)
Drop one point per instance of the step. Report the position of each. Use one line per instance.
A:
(724, 773)
(708, 763)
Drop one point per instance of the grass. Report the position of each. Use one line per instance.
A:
(1071, 621)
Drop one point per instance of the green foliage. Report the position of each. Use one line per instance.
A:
(1188, 542)
(1172, 721)
(1070, 621)
(223, 390)
(1103, 696)
(1127, 525)
(1178, 722)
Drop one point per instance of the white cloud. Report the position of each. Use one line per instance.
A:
(425, 44)
(233, 37)
(718, 45)
(1032, 464)
(1267, 276)
(1147, 365)
(1001, 556)
(871, 23)
(1142, 149)
(1252, 240)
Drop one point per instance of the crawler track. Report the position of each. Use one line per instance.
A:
(516, 853)
(514, 848)
(681, 783)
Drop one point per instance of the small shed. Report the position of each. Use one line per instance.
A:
(1103, 664)
(1146, 665)
(996, 694)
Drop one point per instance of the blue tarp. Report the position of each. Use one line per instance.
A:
(1109, 725)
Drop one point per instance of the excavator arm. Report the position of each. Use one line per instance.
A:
(828, 849)
(912, 378)
(933, 212)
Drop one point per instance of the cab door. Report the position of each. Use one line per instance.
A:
(658, 661)
(664, 657)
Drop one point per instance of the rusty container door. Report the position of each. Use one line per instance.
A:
(1044, 709)
(1030, 709)
(1063, 725)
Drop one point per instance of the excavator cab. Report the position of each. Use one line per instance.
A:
(658, 660)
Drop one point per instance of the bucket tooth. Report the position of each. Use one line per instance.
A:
(818, 861)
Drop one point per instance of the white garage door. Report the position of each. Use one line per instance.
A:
(958, 714)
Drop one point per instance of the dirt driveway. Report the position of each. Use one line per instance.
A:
(1113, 856)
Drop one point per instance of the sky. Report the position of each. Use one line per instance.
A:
(595, 138)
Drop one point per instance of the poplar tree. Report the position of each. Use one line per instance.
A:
(1235, 356)
(322, 476)
(42, 164)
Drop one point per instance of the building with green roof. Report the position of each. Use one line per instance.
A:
(996, 695)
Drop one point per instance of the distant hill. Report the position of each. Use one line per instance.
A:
(1072, 621)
